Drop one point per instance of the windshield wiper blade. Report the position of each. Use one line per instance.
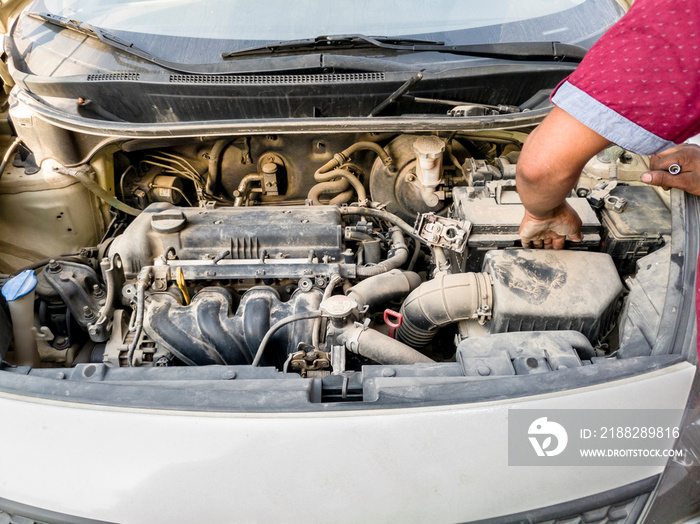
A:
(329, 42)
(102, 35)
(549, 51)
(112, 40)
(116, 42)
(220, 68)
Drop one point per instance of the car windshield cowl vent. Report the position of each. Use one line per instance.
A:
(102, 77)
(278, 79)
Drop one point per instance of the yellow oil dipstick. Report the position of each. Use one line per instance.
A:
(180, 279)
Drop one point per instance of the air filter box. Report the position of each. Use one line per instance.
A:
(545, 290)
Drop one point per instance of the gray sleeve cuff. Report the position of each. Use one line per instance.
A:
(608, 123)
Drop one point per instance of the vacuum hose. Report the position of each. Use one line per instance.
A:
(398, 259)
(332, 171)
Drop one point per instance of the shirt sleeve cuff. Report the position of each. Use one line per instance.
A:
(606, 122)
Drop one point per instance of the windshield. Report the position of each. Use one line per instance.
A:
(250, 20)
(191, 37)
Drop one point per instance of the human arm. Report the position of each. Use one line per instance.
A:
(547, 170)
(687, 156)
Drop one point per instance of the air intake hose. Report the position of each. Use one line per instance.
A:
(441, 301)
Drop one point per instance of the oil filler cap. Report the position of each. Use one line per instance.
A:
(20, 285)
(170, 221)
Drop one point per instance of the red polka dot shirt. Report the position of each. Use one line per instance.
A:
(639, 85)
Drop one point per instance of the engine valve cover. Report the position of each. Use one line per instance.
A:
(275, 233)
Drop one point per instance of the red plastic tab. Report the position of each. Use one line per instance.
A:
(393, 320)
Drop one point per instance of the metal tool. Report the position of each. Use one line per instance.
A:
(674, 169)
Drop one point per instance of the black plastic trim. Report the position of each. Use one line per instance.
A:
(678, 314)
(402, 391)
(305, 395)
(309, 94)
(334, 78)
(685, 340)
(198, 129)
(582, 505)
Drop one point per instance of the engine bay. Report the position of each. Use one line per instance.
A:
(325, 257)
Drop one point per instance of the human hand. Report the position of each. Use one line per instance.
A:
(687, 156)
(550, 232)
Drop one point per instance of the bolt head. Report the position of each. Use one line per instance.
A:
(54, 266)
(269, 168)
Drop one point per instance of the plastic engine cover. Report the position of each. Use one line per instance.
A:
(523, 353)
(545, 290)
(243, 232)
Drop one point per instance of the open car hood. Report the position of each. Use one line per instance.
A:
(8, 10)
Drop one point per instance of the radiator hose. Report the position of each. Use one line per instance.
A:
(384, 287)
(381, 348)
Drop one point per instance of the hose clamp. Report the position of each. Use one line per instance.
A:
(353, 343)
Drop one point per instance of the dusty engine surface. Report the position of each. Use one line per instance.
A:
(320, 256)
(538, 290)
(235, 238)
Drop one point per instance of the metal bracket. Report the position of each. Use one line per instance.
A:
(478, 172)
(161, 275)
(496, 189)
(338, 359)
(600, 192)
(308, 359)
(443, 232)
(614, 203)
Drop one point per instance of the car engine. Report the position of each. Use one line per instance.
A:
(323, 255)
